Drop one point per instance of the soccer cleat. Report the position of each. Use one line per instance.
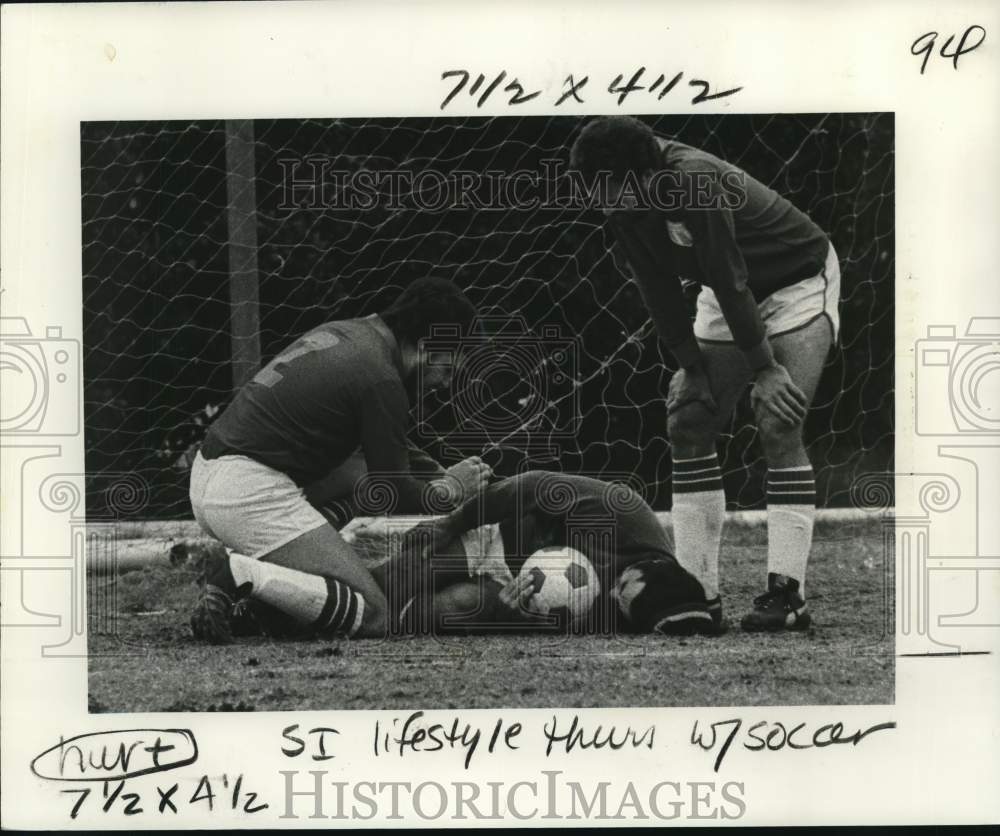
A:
(780, 608)
(212, 619)
(689, 620)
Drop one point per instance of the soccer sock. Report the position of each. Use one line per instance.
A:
(791, 509)
(698, 513)
(321, 604)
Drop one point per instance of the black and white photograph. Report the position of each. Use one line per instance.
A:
(509, 415)
(483, 412)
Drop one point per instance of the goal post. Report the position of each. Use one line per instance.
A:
(244, 281)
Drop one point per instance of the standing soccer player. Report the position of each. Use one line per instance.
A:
(341, 387)
(766, 315)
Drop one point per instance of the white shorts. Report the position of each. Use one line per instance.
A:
(252, 508)
(784, 310)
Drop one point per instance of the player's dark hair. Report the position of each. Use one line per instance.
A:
(427, 303)
(616, 144)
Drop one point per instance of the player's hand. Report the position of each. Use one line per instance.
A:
(468, 478)
(517, 594)
(775, 392)
(690, 386)
(420, 541)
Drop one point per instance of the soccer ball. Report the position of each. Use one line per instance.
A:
(566, 584)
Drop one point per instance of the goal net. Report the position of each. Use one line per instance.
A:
(565, 372)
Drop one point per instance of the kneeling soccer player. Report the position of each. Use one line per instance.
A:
(340, 388)
(766, 314)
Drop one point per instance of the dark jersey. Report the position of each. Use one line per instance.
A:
(609, 523)
(337, 388)
(730, 232)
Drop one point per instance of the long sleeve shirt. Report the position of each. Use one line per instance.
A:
(337, 388)
(729, 232)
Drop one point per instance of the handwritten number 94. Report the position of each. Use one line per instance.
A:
(924, 45)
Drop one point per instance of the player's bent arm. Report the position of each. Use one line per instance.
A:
(743, 317)
(422, 465)
(663, 296)
(725, 271)
(492, 505)
(384, 421)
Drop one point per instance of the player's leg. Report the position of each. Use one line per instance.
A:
(315, 581)
(475, 606)
(699, 501)
(469, 605)
(802, 321)
(288, 556)
(324, 583)
(791, 486)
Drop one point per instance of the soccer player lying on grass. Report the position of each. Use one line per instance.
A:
(766, 315)
(473, 556)
(340, 388)
(459, 573)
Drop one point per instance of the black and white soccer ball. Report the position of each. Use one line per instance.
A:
(565, 582)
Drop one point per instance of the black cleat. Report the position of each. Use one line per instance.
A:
(780, 608)
(212, 619)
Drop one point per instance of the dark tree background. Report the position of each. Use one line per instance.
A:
(582, 390)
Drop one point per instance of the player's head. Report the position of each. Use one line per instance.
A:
(423, 307)
(621, 148)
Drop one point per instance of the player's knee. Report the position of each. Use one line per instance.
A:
(691, 426)
(778, 437)
(458, 598)
(458, 607)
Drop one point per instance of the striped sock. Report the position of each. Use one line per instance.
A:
(343, 611)
(324, 605)
(791, 509)
(699, 510)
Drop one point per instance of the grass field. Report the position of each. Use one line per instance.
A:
(144, 658)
